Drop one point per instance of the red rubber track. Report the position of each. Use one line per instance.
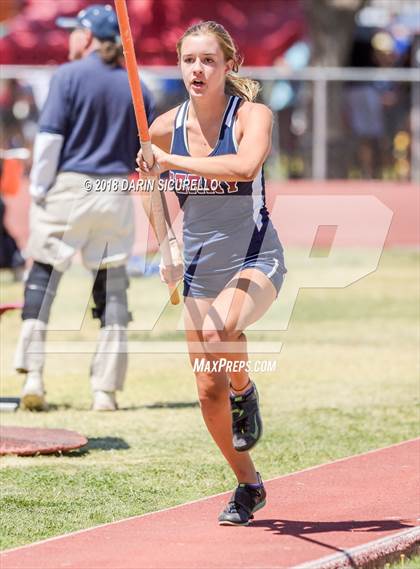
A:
(347, 513)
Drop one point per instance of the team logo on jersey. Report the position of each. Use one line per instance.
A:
(189, 184)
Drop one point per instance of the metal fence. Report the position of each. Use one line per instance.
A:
(320, 84)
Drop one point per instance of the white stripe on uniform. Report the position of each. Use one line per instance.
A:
(257, 199)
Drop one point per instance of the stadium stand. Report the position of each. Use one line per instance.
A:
(263, 30)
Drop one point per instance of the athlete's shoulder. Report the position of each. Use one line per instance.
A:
(253, 116)
(164, 123)
(162, 127)
(250, 109)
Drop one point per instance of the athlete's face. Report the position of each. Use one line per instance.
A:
(203, 65)
(79, 41)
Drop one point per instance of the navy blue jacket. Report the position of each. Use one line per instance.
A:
(89, 104)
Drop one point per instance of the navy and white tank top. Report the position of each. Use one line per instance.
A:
(224, 222)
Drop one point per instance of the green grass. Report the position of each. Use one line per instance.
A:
(346, 382)
(405, 563)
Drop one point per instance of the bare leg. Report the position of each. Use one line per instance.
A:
(213, 392)
(214, 329)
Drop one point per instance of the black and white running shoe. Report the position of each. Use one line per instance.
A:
(244, 502)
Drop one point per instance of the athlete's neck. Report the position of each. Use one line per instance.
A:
(208, 112)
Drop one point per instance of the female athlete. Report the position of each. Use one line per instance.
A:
(213, 148)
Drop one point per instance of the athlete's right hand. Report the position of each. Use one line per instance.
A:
(144, 170)
(161, 162)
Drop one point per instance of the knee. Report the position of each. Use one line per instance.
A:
(211, 338)
(40, 290)
(110, 297)
(214, 338)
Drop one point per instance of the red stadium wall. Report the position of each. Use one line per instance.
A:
(263, 30)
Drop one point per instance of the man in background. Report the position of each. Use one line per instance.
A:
(87, 140)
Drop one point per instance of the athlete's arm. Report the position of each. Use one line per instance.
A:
(253, 148)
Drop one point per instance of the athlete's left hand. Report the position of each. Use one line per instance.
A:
(172, 274)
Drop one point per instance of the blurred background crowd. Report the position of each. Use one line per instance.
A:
(338, 74)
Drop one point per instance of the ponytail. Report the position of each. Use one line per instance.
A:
(244, 87)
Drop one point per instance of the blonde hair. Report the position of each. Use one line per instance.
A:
(244, 87)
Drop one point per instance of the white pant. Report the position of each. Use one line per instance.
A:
(101, 226)
(109, 364)
(98, 224)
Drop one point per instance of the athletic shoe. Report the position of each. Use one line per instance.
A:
(33, 393)
(246, 420)
(244, 502)
(104, 401)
